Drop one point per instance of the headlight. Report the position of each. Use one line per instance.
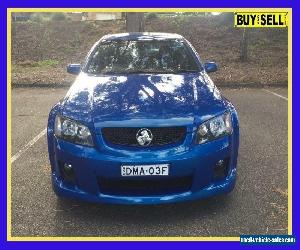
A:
(214, 128)
(72, 131)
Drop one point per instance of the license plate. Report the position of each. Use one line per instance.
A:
(145, 170)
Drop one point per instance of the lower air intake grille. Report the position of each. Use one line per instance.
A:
(145, 186)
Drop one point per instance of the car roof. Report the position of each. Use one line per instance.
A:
(134, 36)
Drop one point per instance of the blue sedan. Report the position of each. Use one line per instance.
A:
(143, 123)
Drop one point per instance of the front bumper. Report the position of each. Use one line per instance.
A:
(90, 164)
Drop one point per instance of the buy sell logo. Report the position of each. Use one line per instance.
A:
(261, 19)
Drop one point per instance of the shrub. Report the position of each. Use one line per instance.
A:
(226, 18)
(37, 17)
(58, 16)
(151, 16)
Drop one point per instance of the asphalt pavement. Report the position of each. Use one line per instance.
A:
(258, 204)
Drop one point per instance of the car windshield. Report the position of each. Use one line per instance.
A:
(152, 56)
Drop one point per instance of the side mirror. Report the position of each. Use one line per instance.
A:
(74, 69)
(210, 67)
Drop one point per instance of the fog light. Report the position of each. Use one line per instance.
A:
(221, 169)
(220, 164)
(68, 167)
(67, 172)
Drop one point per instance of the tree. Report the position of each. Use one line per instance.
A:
(134, 22)
(244, 45)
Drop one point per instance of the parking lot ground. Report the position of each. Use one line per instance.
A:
(257, 205)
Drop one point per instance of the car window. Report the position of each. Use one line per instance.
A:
(152, 56)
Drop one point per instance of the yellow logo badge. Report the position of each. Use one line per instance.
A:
(261, 19)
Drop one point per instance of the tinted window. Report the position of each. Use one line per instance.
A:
(153, 56)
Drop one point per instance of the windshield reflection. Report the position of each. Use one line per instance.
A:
(141, 56)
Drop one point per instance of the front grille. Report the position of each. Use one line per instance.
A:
(127, 136)
(135, 187)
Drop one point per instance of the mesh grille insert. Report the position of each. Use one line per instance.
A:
(127, 136)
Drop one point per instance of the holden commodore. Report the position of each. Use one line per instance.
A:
(143, 123)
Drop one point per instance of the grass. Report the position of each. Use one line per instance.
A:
(41, 64)
(47, 63)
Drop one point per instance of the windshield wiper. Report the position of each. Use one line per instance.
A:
(148, 72)
(186, 71)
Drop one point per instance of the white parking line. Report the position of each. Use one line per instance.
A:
(283, 97)
(28, 145)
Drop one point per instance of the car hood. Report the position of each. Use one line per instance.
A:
(142, 96)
